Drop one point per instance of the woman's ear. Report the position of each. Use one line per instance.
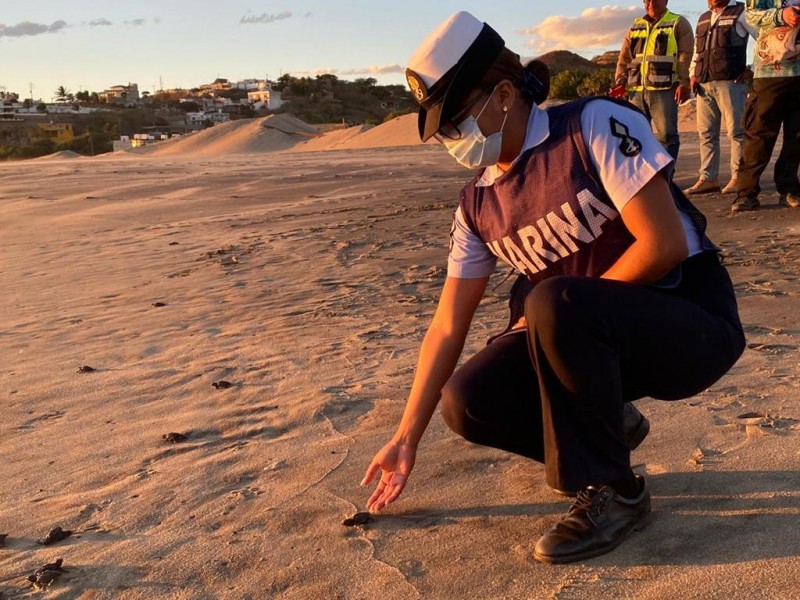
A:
(506, 93)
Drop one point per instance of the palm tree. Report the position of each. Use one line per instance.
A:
(62, 94)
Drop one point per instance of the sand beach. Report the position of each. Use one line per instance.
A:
(303, 270)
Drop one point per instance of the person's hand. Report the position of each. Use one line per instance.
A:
(395, 461)
(618, 91)
(693, 84)
(682, 94)
(747, 75)
(791, 16)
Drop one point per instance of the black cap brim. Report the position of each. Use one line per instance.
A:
(446, 96)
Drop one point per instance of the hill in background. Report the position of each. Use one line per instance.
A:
(564, 60)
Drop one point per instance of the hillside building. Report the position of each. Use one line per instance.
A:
(125, 95)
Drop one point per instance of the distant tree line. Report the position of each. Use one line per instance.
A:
(570, 84)
(327, 99)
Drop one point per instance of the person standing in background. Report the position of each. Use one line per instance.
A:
(773, 103)
(719, 74)
(654, 64)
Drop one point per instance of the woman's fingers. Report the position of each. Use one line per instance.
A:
(376, 495)
(371, 470)
(388, 490)
(398, 484)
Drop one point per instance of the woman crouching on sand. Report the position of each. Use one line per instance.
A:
(623, 295)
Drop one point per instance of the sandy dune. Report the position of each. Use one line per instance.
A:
(306, 280)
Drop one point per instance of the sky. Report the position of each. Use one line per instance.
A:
(95, 44)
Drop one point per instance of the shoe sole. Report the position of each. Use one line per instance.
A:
(561, 560)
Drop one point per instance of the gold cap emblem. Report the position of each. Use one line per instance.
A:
(417, 86)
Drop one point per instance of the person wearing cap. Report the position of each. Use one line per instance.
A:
(772, 105)
(620, 295)
(654, 64)
(719, 76)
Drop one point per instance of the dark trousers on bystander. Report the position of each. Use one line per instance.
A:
(774, 102)
(556, 392)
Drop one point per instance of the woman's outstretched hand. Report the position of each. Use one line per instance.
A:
(395, 461)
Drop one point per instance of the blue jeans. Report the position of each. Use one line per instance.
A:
(718, 100)
(662, 111)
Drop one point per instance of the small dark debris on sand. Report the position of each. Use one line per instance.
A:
(86, 369)
(158, 304)
(3, 537)
(358, 519)
(45, 575)
(56, 535)
(222, 384)
(174, 438)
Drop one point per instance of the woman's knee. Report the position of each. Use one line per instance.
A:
(453, 404)
(551, 302)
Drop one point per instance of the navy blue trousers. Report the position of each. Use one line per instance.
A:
(555, 392)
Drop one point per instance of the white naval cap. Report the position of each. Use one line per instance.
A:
(447, 65)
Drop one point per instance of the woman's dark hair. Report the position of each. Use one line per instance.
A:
(533, 79)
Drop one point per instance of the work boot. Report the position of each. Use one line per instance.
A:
(745, 203)
(597, 522)
(730, 187)
(703, 187)
(790, 200)
(636, 427)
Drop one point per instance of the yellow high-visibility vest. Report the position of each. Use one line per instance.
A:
(654, 50)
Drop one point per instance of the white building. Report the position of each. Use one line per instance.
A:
(127, 95)
(265, 97)
(196, 119)
(250, 84)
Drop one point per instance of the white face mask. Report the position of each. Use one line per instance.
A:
(473, 149)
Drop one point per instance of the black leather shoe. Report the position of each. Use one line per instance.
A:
(597, 522)
(636, 428)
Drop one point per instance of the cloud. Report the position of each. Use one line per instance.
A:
(375, 70)
(26, 28)
(265, 18)
(136, 22)
(594, 28)
(100, 23)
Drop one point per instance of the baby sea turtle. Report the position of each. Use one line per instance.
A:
(222, 384)
(358, 519)
(3, 537)
(45, 575)
(174, 438)
(158, 304)
(86, 369)
(56, 535)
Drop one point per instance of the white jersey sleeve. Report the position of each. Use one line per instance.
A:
(623, 148)
(469, 257)
(627, 155)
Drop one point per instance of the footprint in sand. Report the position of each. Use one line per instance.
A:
(50, 416)
(774, 349)
(767, 421)
(759, 330)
